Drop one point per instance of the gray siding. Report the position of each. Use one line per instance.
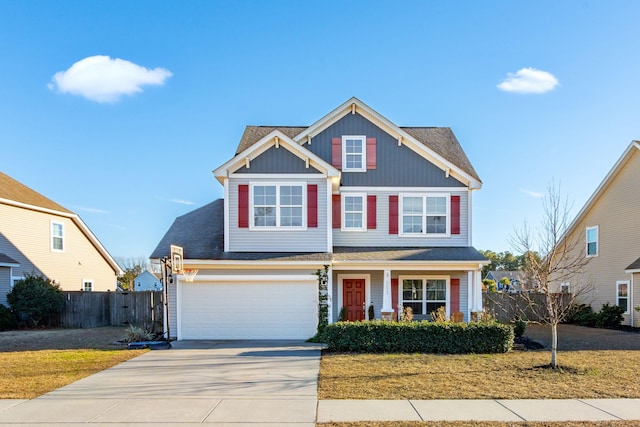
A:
(381, 237)
(5, 284)
(395, 166)
(309, 240)
(277, 160)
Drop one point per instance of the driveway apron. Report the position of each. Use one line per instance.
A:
(266, 382)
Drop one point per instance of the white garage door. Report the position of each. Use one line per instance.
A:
(248, 310)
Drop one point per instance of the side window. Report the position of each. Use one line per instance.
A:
(592, 241)
(622, 295)
(57, 236)
(87, 285)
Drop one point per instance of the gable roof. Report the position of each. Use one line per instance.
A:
(438, 144)
(17, 194)
(501, 274)
(12, 190)
(632, 149)
(7, 261)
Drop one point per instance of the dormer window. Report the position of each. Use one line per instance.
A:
(354, 153)
(278, 206)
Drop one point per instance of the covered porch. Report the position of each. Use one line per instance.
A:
(377, 283)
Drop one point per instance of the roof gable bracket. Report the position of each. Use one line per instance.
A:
(399, 140)
(446, 172)
(353, 108)
(247, 162)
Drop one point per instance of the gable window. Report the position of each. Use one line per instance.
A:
(354, 216)
(278, 206)
(354, 153)
(622, 295)
(425, 214)
(592, 241)
(424, 295)
(57, 236)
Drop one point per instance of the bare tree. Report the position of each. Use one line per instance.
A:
(552, 257)
(132, 267)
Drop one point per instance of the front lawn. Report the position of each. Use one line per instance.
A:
(515, 375)
(28, 374)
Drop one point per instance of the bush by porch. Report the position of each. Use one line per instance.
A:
(418, 337)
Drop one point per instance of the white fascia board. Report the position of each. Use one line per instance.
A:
(263, 145)
(637, 270)
(253, 278)
(626, 156)
(79, 223)
(9, 264)
(393, 130)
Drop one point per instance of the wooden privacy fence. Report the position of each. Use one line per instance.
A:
(506, 306)
(93, 309)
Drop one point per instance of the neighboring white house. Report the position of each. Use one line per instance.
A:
(147, 281)
(38, 236)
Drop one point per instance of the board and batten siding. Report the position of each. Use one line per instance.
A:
(25, 235)
(381, 237)
(311, 239)
(277, 160)
(396, 166)
(616, 215)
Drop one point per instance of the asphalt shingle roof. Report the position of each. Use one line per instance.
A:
(635, 265)
(6, 259)
(344, 253)
(11, 189)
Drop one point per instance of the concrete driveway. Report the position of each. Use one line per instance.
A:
(194, 382)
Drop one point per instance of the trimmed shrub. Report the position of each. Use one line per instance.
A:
(610, 316)
(582, 315)
(7, 319)
(37, 299)
(519, 327)
(418, 337)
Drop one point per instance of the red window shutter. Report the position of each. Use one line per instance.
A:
(312, 205)
(371, 153)
(394, 296)
(393, 214)
(336, 153)
(454, 304)
(336, 211)
(371, 212)
(455, 214)
(243, 206)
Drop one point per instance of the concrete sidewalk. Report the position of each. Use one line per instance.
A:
(52, 411)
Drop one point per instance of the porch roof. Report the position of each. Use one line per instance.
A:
(633, 267)
(7, 261)
(343, 253)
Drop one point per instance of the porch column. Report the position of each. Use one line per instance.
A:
(387, 309)
(471, 299)
(478, 290)
(330, 294)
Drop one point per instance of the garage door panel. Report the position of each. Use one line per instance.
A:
(248, 311)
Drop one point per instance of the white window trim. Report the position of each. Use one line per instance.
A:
(566, 285)
(278, 227)
(84, 281)
(424, 196)
(623, 282)
(343, 226)
(586, 239)
(363, 168)
(52, 236)
(424, 279)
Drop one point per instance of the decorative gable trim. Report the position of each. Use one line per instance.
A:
(354, 105)
(281, 141)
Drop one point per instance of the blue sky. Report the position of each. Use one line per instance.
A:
(161, 91)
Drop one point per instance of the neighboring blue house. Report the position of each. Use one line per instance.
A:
(386, 208)
(147, 281)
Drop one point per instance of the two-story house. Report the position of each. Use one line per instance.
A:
(386, 208)
(40, 237)
(608, 230)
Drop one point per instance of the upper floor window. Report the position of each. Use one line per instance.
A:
(592, 241)
(424, 214)
(622, 295)
(354, 212)
(354, 153)
(278, 205)
(57, 236)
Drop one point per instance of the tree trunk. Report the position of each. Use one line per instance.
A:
(554, 345)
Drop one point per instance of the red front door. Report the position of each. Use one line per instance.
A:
(353, 298)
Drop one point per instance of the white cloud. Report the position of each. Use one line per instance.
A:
(529, 80)
(90, 210)
(103, 79)
(532, 193)
(182, 202)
